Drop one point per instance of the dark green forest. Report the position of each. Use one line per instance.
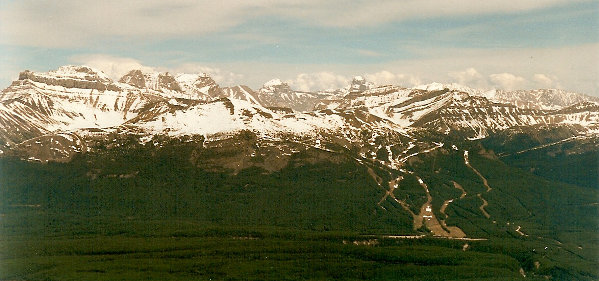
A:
(148, 213)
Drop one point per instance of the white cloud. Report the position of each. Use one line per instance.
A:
(544, 81)
(83, 22)
(318, 81)
(116, 67)
(222, 77)
(573, 68)
(357, 13)
(469, 77)
(386, 77)
(508, 81)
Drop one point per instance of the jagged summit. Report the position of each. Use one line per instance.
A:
(75, 98)
(134, 78)
(182, 85)
(276, 93)
(358, 85)
(275, 86)
(273, 83)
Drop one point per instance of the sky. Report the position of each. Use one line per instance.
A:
(313, 44)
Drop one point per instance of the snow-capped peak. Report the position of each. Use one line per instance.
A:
(81, 72)
(275, 86)
(358, 85)
(358, 78)
(435, 86)
(74, 98)
(69, 72)
(273, 83)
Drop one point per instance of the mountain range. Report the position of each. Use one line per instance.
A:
(82, 101)
(435, 160)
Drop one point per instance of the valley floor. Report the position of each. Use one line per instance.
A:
(183, 250)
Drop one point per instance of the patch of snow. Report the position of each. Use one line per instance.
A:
(273, 82)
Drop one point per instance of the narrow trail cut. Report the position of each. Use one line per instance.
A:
(519, 231)
(467, 162)
(458, 186)
(444, 206)
(482, 207)
(392, 186)
(454, 231)
(375, 177)
(428, 218)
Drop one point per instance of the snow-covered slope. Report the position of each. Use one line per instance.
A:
(226, 116)
(459, 109)
(80, 100)
(65, 100)
(242, 92)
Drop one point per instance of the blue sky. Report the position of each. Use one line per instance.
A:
(313, 45)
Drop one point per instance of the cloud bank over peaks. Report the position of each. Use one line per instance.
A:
(116, 67)
(318, 81)
(309, 82)
(469, 77)
(388, 78)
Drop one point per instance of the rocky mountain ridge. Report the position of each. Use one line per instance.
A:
(78, 100)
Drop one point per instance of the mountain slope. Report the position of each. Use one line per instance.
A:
(376, 163)
(276, 93)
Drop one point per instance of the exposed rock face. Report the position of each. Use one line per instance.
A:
(359, 85)
(198, 86)
(276, 93)
(167, 81)
(182, 85)
(206, 83)
(134, 78)
(276, 85)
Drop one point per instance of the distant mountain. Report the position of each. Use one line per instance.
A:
(194, 86)
(546, 99)
(276, 93)
(243, 93)
(357, 86)
(75, 98)
(67, 99)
